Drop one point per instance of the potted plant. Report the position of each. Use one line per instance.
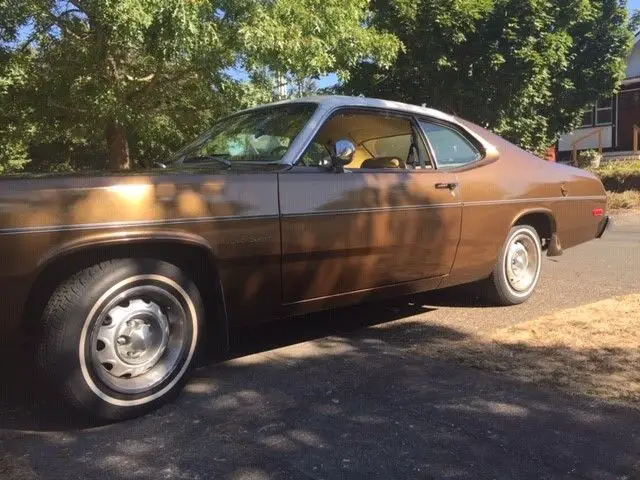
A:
(589, 159)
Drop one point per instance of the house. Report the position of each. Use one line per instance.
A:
(609, 124)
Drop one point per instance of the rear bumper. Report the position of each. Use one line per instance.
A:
(603, 226)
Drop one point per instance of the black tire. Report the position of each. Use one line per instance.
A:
(164, 321)
(497, 289)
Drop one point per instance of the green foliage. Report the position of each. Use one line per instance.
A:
(524, 68)
(312, 37)
(15, 131)
(111, 78)
(589, 158)
(620, 175)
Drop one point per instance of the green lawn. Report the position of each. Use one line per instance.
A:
(622, 181)
(618, 168)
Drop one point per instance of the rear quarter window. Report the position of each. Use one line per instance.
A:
(450, 147)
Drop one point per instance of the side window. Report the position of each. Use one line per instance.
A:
(382, 141)
(316, 155)
(394, 146)
(450, 147)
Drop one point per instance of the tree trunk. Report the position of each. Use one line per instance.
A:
(117, 146)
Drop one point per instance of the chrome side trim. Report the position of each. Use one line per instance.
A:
(530, 200)
(439, 205)
(227, 218)
(131, 224)
(347, 211)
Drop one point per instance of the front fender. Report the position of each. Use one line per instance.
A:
(101, 240)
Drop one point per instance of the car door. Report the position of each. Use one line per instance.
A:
(369, 227)
(480, 188)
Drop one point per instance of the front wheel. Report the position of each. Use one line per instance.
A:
(517, 270)
(118, 338)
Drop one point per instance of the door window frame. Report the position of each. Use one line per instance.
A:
(415, 120)
(417, 131)
(482, 154)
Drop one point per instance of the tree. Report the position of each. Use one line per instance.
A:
(524, 68)
(15, 130)
(137, 76)
(291, 86)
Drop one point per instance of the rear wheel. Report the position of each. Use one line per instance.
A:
(118, 339)
(517, 271)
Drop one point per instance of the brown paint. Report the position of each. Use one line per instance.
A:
(293, 240)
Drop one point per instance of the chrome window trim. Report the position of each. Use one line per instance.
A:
(328, 108)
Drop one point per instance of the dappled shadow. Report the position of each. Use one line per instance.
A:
(289, 331)
(377, 394)
(44, 218)
(359, 231)
(25, 407)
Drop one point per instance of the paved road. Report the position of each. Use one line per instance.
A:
(344, 395)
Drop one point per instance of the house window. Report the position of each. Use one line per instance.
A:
(604, 112)
(587, 118)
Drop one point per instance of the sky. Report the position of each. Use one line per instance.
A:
(332, 79)
(633, 4)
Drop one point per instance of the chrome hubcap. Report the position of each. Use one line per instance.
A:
(138, 339)
(132, 338)
(522, 263)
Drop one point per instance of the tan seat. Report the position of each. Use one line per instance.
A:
(382, 162)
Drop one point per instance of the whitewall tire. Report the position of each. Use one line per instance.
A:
(517, 271)
(118, 339)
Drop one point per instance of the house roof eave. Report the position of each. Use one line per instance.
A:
(631, 80)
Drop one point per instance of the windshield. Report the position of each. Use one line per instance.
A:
(263, 135)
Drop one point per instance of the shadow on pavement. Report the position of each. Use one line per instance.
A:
(358, 402)
(25, 407)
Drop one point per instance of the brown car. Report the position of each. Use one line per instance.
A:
(278, 210)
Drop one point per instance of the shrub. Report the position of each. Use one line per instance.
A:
(589, 159)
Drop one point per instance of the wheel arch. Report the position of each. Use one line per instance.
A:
(190, 252)
(542, 220)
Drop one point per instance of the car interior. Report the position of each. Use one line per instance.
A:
(382, 141)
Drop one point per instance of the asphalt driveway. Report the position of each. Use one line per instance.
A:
(344, 395)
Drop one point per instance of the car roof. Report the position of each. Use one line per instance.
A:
(334, 101)
(330, 102)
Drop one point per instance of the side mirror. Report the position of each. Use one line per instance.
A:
(344, 151)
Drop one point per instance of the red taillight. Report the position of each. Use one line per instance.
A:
(598, 212)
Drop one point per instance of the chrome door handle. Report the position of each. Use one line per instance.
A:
(450, 185)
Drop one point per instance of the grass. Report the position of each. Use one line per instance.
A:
(622, 166)
(623, 200)
(621, 178)
(617, 168)
(592, 350)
